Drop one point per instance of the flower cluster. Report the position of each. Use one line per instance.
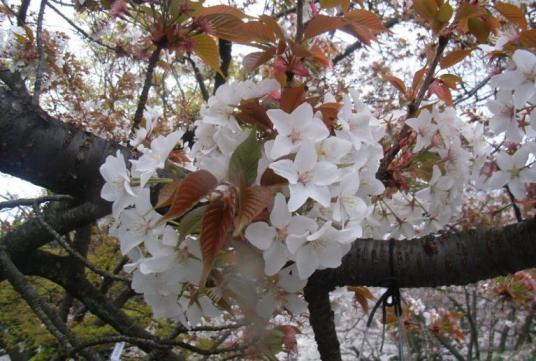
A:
(446, 156)
(513, 115)
(281, 184)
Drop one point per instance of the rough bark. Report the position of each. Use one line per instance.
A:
(48, 152)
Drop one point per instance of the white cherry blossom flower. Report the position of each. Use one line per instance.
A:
(307, 177)
(504, 117)
(322, 249)
(272, 239)
(294, 128)
(283, 294)
(425, 129)
(155, 157)
(138, 224)
(522, 80)
(514, 172)
(117, 188)
(348, 205)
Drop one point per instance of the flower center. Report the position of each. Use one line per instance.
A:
(305, 177)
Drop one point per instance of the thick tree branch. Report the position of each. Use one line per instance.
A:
(46, 151)
(321, 318)
(447, 259)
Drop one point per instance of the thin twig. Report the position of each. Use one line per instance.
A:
(153, 60)
(79, 29)
(299, 21)
(40, 52)
(470, 93)
(61, 240)
(31, 201)
(412, 109)
(515, 207)
(199, 78)
(46, 314)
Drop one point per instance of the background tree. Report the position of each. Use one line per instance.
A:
(125, 89)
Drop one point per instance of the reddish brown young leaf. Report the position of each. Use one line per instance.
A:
(253, 60)
(451, 80)
(220, 9)
(193, 187)
(291, 98)
(259, 31)
(396, 82)
(366, 19)
(362, 295)
(269, 178)
(167, 193)
(251, 112)
(480, 28)
(528, 38)
(417, 79)
(321, 24)
(439, 88)
(427, 9)
(454, 57)
(329, 113)
(318, 56)
(273, 25)
(512, 13)
(217, 221)
(253, 200)
(227, 27)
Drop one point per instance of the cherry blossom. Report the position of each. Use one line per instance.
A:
(293, 129)
(117, 188)
(307, 177)
(514, 172)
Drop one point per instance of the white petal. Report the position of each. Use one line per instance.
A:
(282, 146)
(260, 234)
(303, 113)
(285, 168)
(305, 158)
(320, 194)
(275, 258)
(295, 304)
(281, 120)
(307, 261)
(325, 173)
(298, 196)
(330, 255)
(294, 242)
(301, 224)
(280, 216)
(498, 179)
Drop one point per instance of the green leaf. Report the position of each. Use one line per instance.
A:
(444, 13)
(243, 164)
(191, 222)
